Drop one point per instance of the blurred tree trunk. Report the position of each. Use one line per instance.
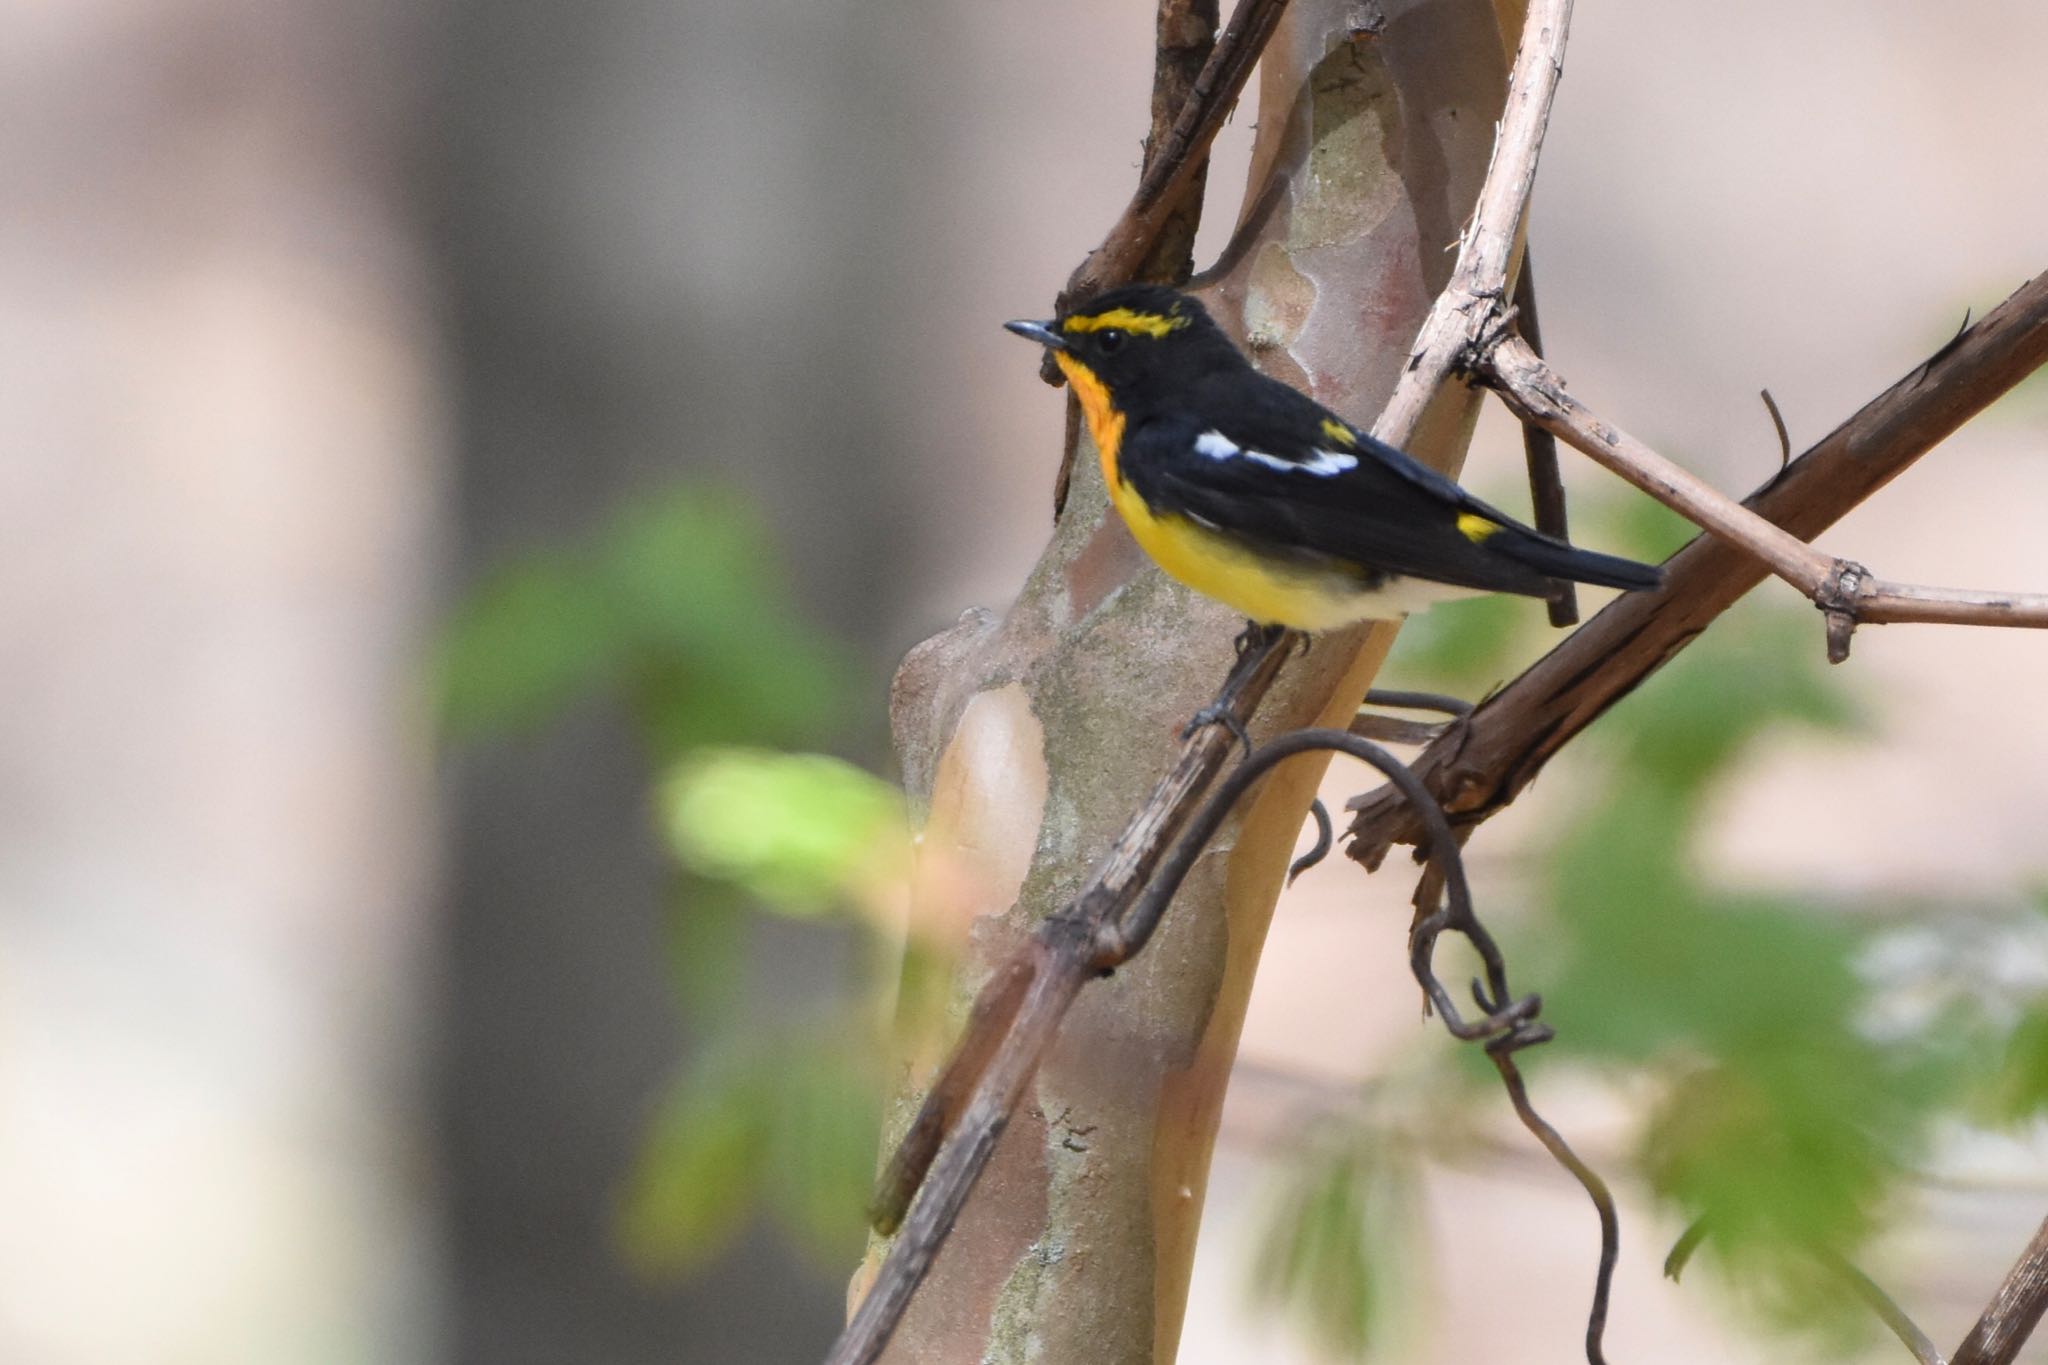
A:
(1029, 742)
(619, 316)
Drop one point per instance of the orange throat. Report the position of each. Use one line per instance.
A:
(1105, 423)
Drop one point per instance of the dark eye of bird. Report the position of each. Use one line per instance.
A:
(1109, 340)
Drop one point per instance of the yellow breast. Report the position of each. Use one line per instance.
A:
(1267, 589)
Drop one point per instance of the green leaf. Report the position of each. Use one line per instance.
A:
(821, 1165)
(800, 831)
(524, 645)
(786, 1124)
(1465, 647)
(1640, 527)
(2020, 1091)
(707, 948)
(1761, 668)
(1334, 1252)
(680, 605)
(699, 1174)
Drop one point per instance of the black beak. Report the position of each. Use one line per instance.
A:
(1040, 332)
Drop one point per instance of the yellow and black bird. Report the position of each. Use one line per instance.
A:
(1258, 496)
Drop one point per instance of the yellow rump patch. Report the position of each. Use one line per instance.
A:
(1338, 432)
(1474, 527)
(1126, 320)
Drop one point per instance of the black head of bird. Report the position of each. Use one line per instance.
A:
(1141, 341)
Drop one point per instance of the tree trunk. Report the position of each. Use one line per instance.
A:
(1029, 741)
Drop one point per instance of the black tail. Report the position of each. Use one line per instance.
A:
(1554, 559)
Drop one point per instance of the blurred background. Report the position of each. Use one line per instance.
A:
(428, 431)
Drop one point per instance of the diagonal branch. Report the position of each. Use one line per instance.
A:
(1184, 41)
(2014, 1311)
(1171, 169)
(1016, 1016)
(1481, 765)
(1157, 228)
(1464, 312)
(1849, 593)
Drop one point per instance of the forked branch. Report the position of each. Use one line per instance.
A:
(1846, 591)
(1478, 767)
(1464, 311)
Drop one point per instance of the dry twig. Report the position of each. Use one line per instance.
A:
(1467, 308)
(1849, 593)
(1170, 172)
(1162, 246)
(1480, 766)
(1539, 451)
(2014, 1311)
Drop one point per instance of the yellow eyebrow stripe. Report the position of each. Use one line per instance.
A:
(1338, 432)
(1474, 527)
(1125, 320)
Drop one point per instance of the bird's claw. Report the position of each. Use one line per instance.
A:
(1252, 636)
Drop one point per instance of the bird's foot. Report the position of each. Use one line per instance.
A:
(1254, 635)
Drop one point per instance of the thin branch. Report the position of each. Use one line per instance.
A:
(1888, 1311)
(1878, 602)
(1184, 39)
(2014, 1310)
(993, 1061)
(1535, 393)
(1466, 308)
(1478, 768)
(1849, 593)
(1595, 1187)
(1539, 451)
(1326, 839)
(1403, 699)
(1171, 172)
(1184, 44)
(1777, 424)
(1393, 730)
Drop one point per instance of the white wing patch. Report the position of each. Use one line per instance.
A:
(1328, 462)
(1323, 463)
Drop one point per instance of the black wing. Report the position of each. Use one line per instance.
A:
(1364, 507)
(1281, 472)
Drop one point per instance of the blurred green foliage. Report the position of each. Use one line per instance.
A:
(1781, 1114)
(784, 1124)
(1338, 1248)
(799, 832)
(679, 611)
